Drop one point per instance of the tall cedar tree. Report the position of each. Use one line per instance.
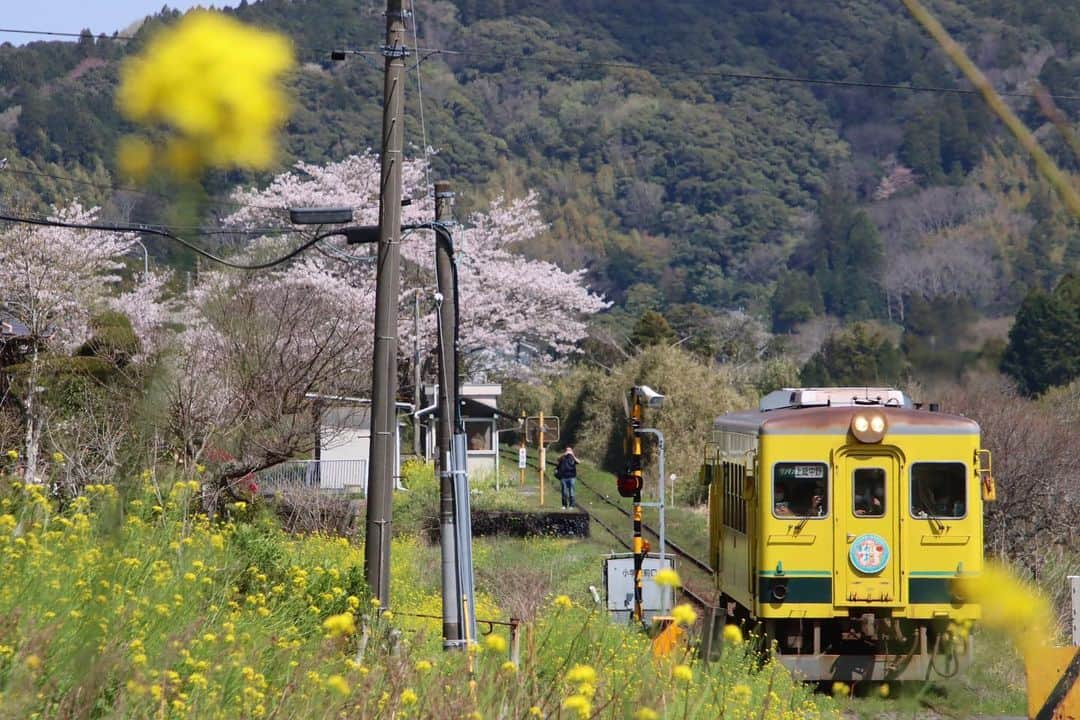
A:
(1044, 343)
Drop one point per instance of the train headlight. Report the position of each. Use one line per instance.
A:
(868, 428)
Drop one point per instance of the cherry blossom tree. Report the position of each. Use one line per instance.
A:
(254, 350)
(51, 280)
(257, 346)
(505, 297)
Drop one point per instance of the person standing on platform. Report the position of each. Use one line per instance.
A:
(566, 471)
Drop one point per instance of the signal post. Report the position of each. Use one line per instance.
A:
(632, 480)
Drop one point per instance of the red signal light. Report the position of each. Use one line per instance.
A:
(629, 485)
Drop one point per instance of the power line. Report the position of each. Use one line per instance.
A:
(420, 102)
(63, 34)
(552, 61)
(163, 232)
(652, 66)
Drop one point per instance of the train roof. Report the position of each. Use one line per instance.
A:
(828, 411)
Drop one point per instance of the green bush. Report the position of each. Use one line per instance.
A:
(695, 393)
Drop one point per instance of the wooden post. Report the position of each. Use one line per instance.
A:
(515, 641)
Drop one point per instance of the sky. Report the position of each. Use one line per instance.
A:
(100, 16)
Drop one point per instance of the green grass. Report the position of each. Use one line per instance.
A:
(133, 605)
(992, 685)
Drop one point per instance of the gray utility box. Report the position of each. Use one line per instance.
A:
(619, 586)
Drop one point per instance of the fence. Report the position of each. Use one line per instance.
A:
(341, 475)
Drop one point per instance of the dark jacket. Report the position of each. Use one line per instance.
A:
(566, 467)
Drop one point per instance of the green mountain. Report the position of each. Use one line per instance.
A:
(671, 160)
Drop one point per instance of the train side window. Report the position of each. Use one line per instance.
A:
(799, 490)
(868, 490)
(939, 489)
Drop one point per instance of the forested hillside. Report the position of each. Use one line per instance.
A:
(688, 189)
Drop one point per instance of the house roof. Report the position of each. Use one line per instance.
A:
(12, 328)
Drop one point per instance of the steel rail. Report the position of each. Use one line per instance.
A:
(693, 596)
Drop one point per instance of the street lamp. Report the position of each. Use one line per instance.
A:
(353, 234)
(320, 216)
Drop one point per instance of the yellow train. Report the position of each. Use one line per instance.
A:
(838, 519)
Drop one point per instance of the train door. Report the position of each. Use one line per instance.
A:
(867, 504)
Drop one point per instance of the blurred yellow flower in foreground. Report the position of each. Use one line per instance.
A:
(213, 82)
(667, 577)
(684, 614)
(1011, 605)
(733, 634)
(495, 643)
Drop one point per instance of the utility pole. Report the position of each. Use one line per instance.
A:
(418, 390)
(447, 402)
(388, 277)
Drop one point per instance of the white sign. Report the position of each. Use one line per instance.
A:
(522, 458)
(619, 584)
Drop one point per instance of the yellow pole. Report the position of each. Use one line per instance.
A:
(543, 457)
(466, 625)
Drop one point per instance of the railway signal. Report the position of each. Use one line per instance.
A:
(632, 479)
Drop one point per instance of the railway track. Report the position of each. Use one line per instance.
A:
(696, 597)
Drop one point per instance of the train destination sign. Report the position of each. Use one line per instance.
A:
(800, 471)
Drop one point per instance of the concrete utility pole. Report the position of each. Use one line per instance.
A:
(447, 402)
(388, 278)
(418, 389)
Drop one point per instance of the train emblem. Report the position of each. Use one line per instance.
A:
(869, 553)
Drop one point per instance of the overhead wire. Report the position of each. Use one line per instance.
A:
(420, 102)
(652, 66)
(166, 233)
(552, 61)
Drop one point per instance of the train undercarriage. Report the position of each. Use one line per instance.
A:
(861, 648)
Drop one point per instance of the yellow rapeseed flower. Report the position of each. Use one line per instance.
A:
(646, 714)
(338, 625)
(733, 634)
(58, 457)
(215, 83)
(12, 454)
(408, 696)
(883, 690)
(667, 578)
(682, 673)
(563, 602)
(495, 643)
(740, 694)
(338, 684)
(508, 667)
(684, 614)
(840, 689)
(1009, 604)
(422, 666)
(581, 674)
(579, 704)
